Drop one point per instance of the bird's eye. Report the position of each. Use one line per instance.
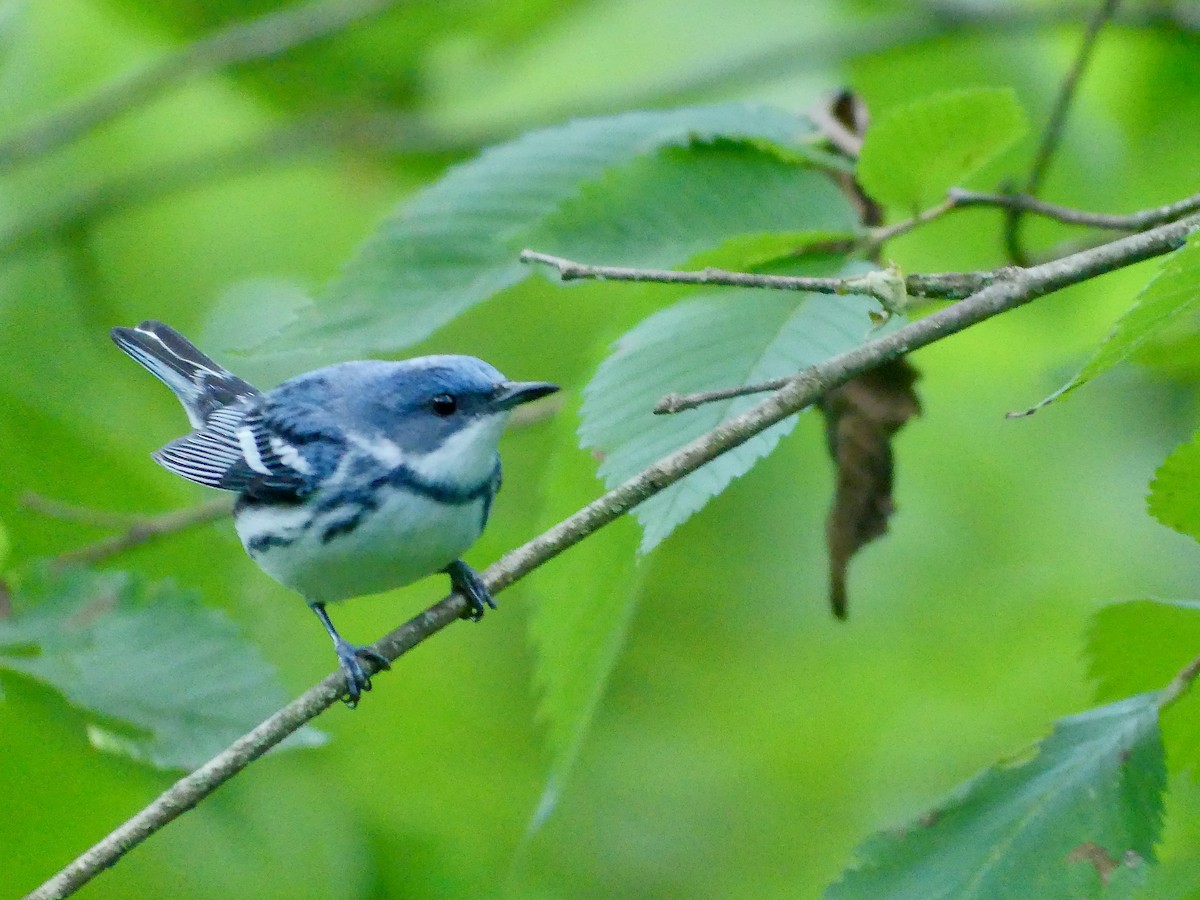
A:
(444, 405)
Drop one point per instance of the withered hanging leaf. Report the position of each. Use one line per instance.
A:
(862, 415)
(860, 418)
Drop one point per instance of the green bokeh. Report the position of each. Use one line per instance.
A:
(746, 743)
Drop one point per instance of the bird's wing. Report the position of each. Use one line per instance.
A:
(202, 386)
(241, 448)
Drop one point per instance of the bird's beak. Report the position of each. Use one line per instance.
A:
(514, 393)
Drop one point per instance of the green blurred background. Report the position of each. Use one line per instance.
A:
(747, 741)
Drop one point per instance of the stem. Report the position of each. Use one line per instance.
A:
(1137, 221)
(676, 403)
(138, 529)
(1016, 289)
(1024, 203)
(1180, 684)
(1054, 127)
(946, 286)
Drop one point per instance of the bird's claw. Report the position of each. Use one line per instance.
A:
(350, 658)
(468, 582)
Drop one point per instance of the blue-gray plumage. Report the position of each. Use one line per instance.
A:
(352, 479)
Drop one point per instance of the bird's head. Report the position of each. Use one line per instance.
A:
(443, 414)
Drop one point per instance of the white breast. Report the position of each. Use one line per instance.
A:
(406, 538)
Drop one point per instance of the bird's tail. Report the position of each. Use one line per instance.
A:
(201, 385)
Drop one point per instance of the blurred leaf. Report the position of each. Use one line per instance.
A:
(1171, 296)
(4, 546)
(861, 417)
(1175, 489)
(714, 340)
(456, 243)
(754, 251)
(586, 599)
(161, 678)
(914, 154)
(1176, 875)
(1140, 645)
(1031, 828)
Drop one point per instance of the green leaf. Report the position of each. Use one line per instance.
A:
(1024, 829)
(160, 677)
(1175, 490)
(714, 340)
(1140, 645)
(1171, 296)
(751, 252)
(4, 546)
(678, 204)
(586, 600)
(455, 243)
(914, 154)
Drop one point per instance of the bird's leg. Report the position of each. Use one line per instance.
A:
(348, 656)
(467, 582)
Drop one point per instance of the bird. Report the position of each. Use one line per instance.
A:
(350, 479)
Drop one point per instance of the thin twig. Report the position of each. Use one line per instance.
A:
(1180, 684)
(82, 515)
(677, 403)
(877, 237)
(138, 529)
(1020, 287)
(1054, 128)
(958, 198)
(1137, 221)
(569, 270)
(945, 286)
(266, 36)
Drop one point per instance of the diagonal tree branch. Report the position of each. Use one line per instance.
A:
(266, 36)
(1016, 288)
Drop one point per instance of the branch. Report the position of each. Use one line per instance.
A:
(268, 35)
(1180, 684)
(138, 529)
(945, 286)
(1054, 126)
(1174, 234)
(1020, 287)
(958, 198)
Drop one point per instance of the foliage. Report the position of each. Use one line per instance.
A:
(1173, 491)
(916, 153)
(1168, 301)
(456, 243)
(698, 725)
(1091, 798)
(161, 678)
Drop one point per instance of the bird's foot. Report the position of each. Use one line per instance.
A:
(468, 582)
(351, 658)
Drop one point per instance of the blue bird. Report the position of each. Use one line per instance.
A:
(352, 479)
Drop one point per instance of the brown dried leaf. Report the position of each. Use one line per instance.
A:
(862, 415)
(842, 118)
(860, 418)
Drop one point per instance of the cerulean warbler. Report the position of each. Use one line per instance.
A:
(352, 479)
